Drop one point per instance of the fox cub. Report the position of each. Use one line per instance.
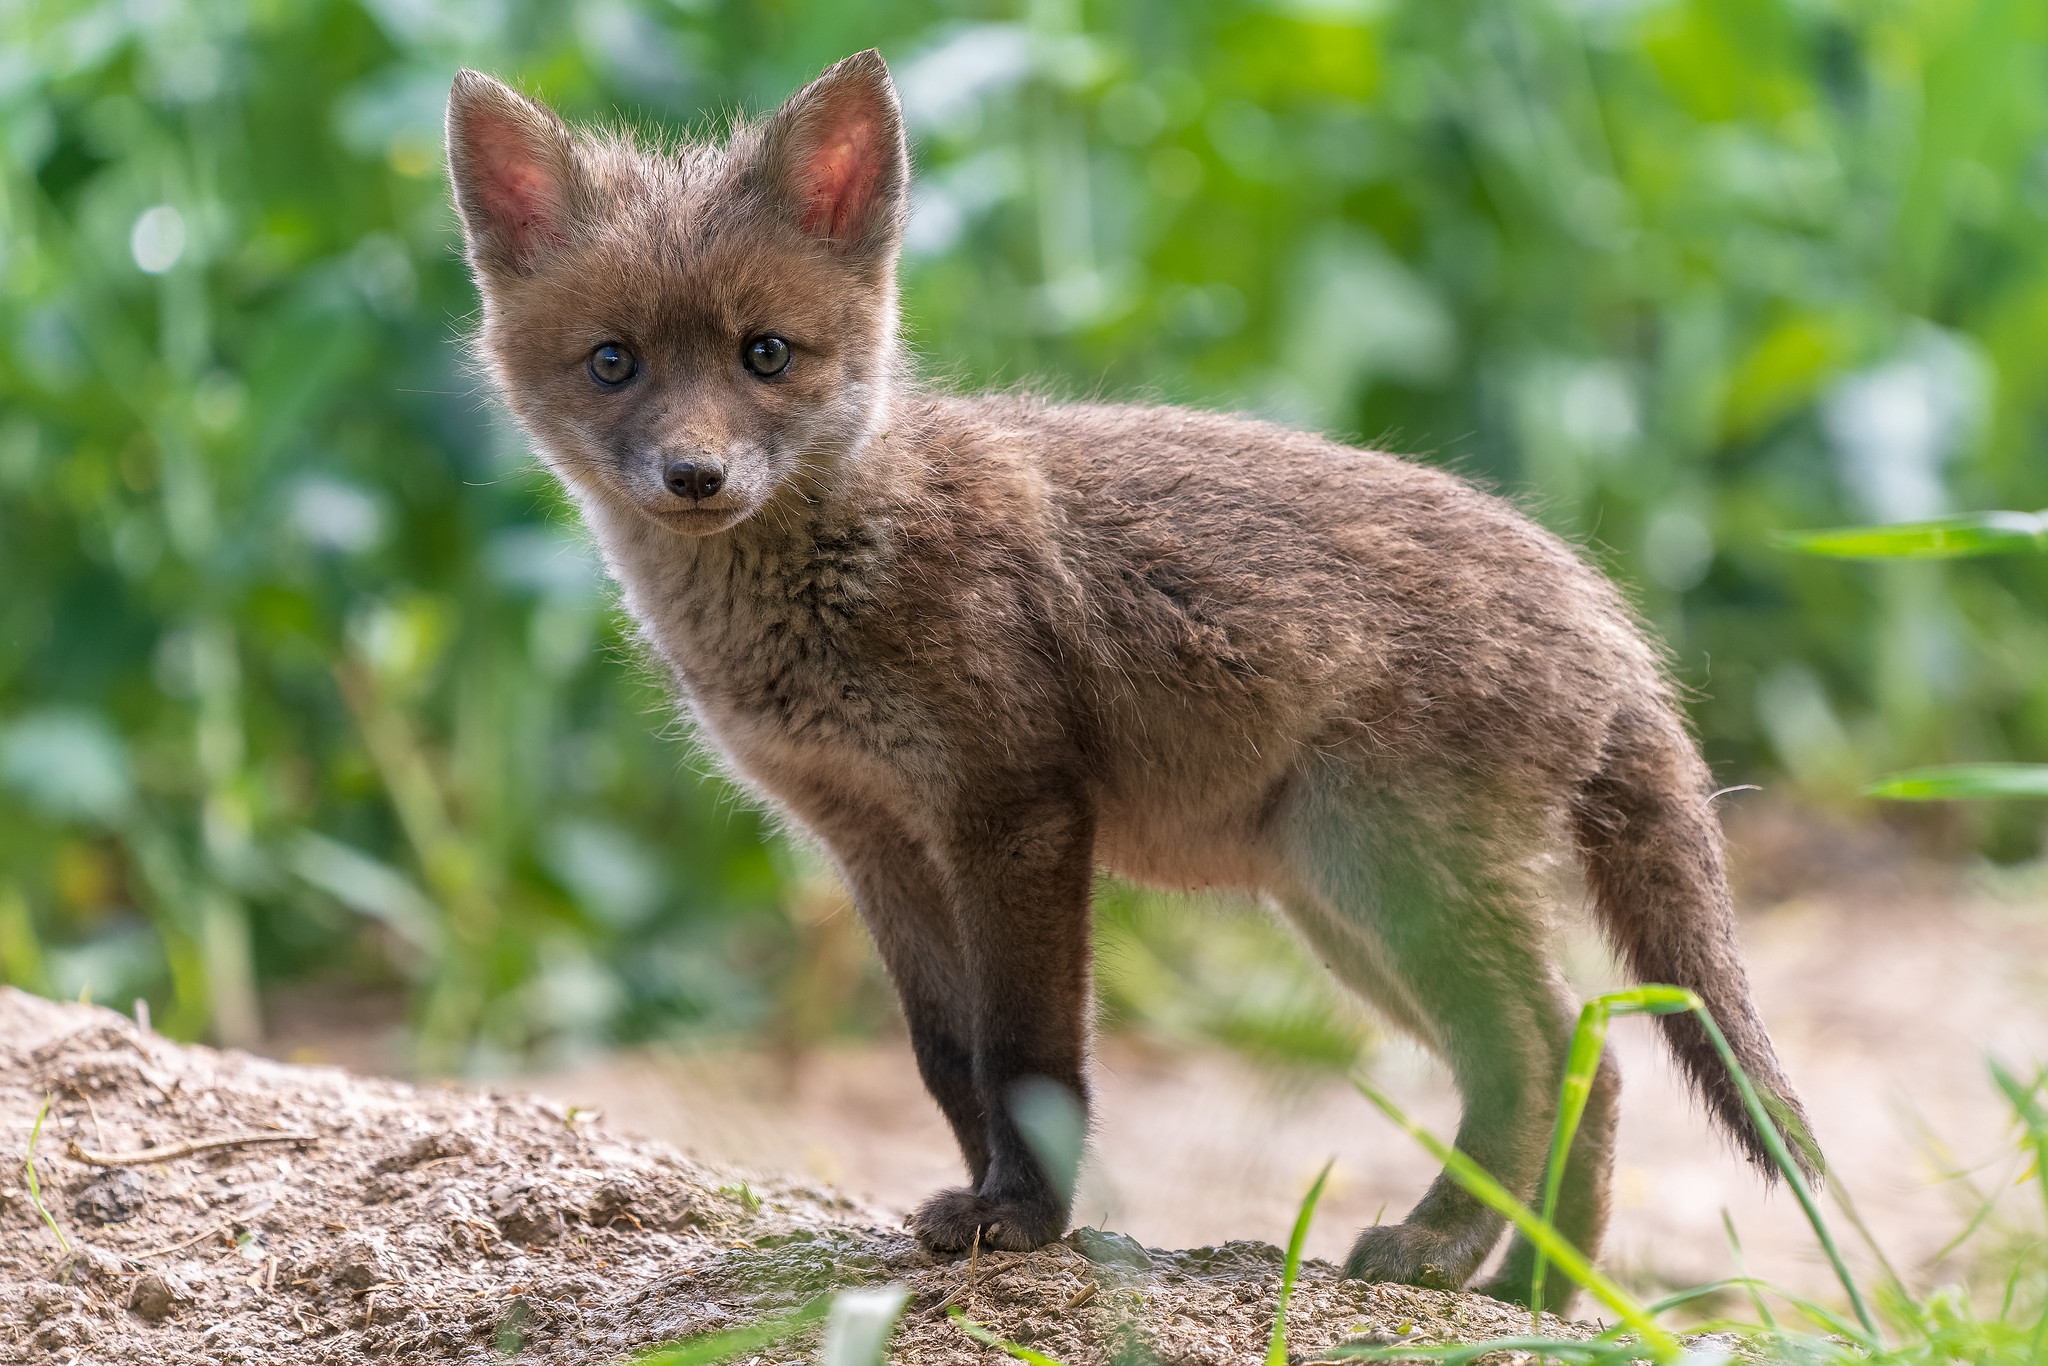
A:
(980, 647)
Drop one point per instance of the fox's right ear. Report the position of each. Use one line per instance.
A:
(513, 170)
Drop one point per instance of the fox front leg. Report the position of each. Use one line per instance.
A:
(1022, 871)
(900, 893)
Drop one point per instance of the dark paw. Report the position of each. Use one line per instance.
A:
(948, 1221)
(1410, 1255)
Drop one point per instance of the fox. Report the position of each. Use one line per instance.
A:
(979, 647)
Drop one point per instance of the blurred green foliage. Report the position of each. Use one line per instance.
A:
(1946, 538)
(305, 670)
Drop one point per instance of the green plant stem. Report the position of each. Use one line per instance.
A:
(1290, 1271)
(35, 1189)
(21, 952)
(1582, 1066)
(1587, 1042)
(1756, 1294)
(2025, 1100)
(988, 1339)
(1475, 1179)
(451, 867)
(708, 1348)
(1774, 1143)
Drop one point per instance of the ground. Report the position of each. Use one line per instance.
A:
(364, 1219)
(426, 1221)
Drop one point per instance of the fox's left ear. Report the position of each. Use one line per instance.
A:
(833, 159)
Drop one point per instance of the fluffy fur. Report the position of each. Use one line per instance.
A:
(979, 647)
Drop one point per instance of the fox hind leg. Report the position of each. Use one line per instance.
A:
(1427, 910)
(1582, 1203)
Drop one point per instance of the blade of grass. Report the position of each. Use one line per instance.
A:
(860, 1323)
(35, 1189)
(1574, 1351)
(1699, 1292)
(1756, 1294)
(1893, 1279)
(1290, 1270)
(1962, 782)
(1481, 1185)
(2025, 1100)
(1986, 1204)
(2012, 1280)
(706, 1349)
(1582, 1065)
(1979, 533)
(1774, 1143)
(1824, 1318)
(988, 1339)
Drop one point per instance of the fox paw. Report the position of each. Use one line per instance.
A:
(949, 1220)
(1409, 1254)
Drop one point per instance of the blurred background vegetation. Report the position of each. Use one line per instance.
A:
(307, 676)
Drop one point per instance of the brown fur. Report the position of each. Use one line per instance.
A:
(979, 647)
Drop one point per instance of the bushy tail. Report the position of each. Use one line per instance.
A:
(1653, 856)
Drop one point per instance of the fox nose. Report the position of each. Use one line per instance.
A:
(694, 479)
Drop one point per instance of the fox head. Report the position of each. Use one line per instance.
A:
(689, 333)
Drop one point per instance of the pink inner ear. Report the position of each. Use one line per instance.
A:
(519, 195)
(839, 183)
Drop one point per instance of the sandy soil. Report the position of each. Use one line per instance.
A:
(224, 1208)
(1884, 1004)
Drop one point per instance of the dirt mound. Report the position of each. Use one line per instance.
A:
(225, 1208)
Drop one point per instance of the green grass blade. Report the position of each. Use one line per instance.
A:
(988, 1339)
(1651, 999)
(1774, 1143)
(1290, 1271)
(1480, 1184)
(1756, 1294)
(1574, 1351)
(35, 1189)
(2012, 1281)
(860, 1323)
(707, 1349)
(1699, 1292)
(1827, 1320)
(1962, 782)
(1581, 1066)
(2025, 1098)
(1980, 533)
(1895, 1283)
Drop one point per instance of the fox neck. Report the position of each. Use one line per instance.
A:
(808, 561)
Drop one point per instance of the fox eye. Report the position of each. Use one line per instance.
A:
(612, 364)
(767, 355)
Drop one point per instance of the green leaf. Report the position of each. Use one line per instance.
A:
(858, 1328)
(706, 1349)
(1276, 1347)
(1582, 1063)
(1960, 782)
(985, 1337)
(1054, 1127)
(1978, 533)
(1655, 1343)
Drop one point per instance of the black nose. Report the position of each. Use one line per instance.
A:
(694, 479)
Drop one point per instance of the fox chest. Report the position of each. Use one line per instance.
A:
(795, 684)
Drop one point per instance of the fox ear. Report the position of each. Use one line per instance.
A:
(513, 171)
(834, 159)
